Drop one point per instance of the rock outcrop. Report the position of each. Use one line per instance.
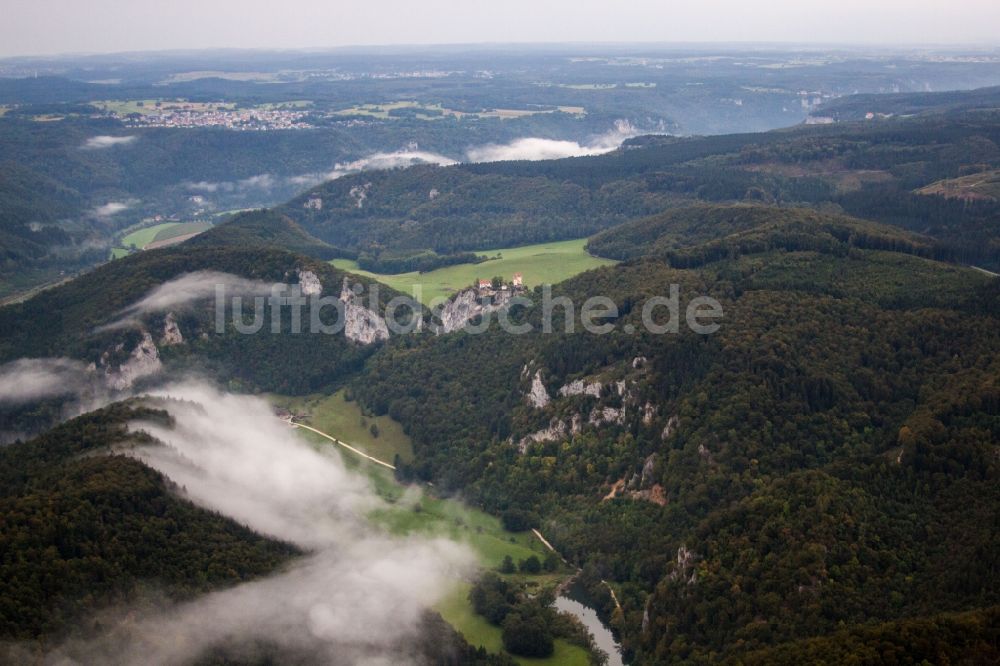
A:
(537, 396)
(361, 324)
(310, 283)
(142, 362)
(171, 331)
(602, 415)
(685, 566)
(670, 428)
(580, 387)
(462, 309)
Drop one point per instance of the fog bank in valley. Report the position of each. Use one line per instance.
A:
(357, 595)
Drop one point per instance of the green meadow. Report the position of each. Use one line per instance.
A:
(140, 238)
(545, 263)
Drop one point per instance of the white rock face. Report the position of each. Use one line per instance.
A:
(557, 430)
(647, 471)
(144, 361)
(580, 387)
(602, 415)
(361, 324)
(359, 193)
(309, 283)
(648, 413)
(461, 309)
(538, 397)
(670, 428)
(171, 331)
(685, 566)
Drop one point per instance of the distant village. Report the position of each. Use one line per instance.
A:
(244, 119)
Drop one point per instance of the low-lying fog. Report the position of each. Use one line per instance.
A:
(354, 598)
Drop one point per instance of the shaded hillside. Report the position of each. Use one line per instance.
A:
(825, 460)
(263, 228)
(866, 170)
(857, 107)
(71, 320)
(697, 235)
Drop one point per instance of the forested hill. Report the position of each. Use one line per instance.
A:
(699, 234)
(867, 170)
(265, 228)
(82, 529)
(824, 463)
(857, 107)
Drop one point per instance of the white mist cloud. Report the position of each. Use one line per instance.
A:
(394, 160)
(534, 148)
(355, 599)
(186, 289)
(29, 379)
(112, 208)
(106, 141)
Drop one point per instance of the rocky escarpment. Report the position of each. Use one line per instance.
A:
(465, 307)
(537, 396)
(309, 283)
(361, 324)
(143, 361)
(171, 331)
(558, 429)
(581, 387)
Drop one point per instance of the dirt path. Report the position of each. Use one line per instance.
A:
(343, 444)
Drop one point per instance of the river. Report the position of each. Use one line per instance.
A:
(573, 601)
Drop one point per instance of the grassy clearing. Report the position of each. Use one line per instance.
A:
(160, 232)
(143, 237)
(457, 611)
(545, 263)
(343, 419)
(182, 229)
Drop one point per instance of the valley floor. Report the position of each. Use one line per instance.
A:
(545, 263)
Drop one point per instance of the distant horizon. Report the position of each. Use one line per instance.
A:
(65, 28)
(780, 46)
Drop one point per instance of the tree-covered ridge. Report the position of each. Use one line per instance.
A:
(696, 235)
(82, 528)
(70, 320)
(954, 638)
(826, 460)
(264, 228)
(865, 170)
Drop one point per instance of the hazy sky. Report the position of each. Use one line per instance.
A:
(58, 26)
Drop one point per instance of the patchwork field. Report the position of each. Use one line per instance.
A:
(545, 263)
(148, 106)
(434, 111)
(159, 233)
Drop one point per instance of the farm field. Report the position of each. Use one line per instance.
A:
(545, 263)
(434, 111)
(158, 233)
